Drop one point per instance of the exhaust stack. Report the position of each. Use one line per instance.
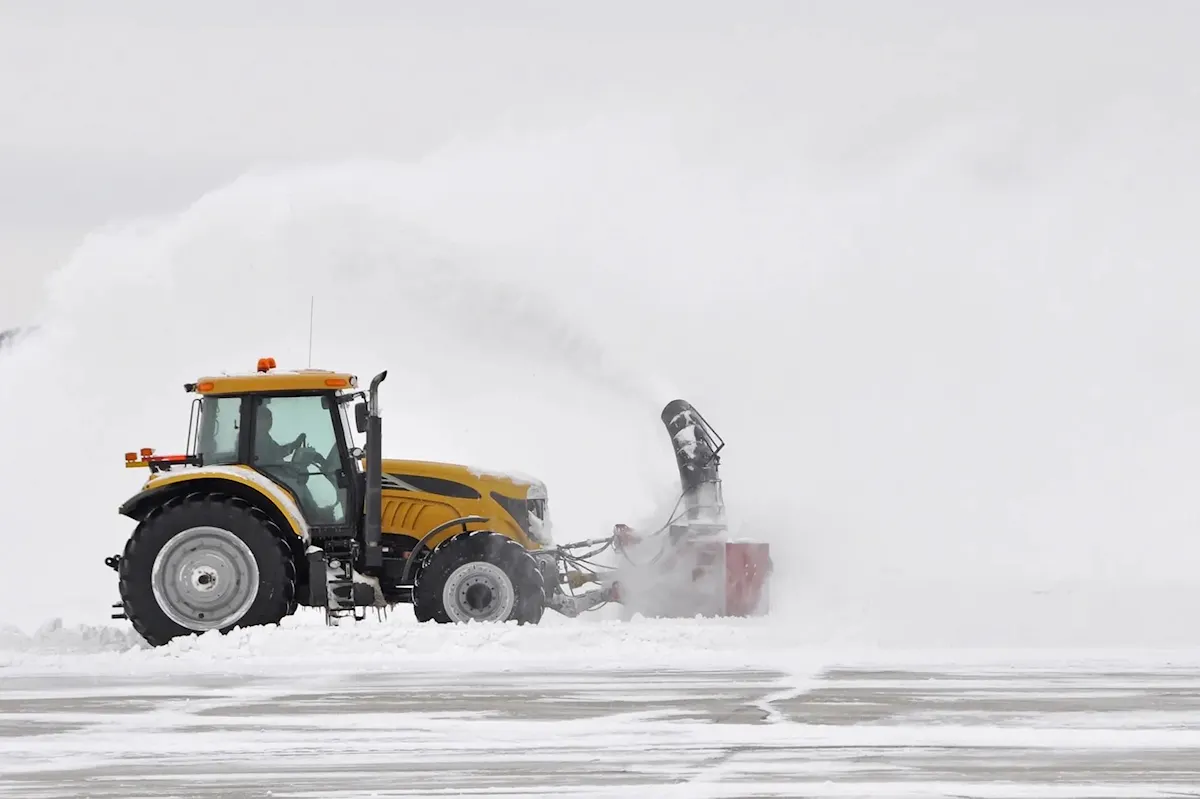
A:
(373, 501)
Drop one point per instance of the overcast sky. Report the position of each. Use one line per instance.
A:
(126, 108)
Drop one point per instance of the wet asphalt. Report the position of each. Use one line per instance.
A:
(695, 733)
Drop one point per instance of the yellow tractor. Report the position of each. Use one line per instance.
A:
(273, 506)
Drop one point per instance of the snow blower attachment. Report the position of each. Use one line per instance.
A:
(273, 507)
(689, 566)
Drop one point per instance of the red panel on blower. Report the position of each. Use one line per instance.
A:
(747, 573)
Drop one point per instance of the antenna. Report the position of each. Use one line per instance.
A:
(312, 304)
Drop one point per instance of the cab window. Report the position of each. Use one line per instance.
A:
(220, 425)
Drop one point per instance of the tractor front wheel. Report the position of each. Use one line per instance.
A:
(479, 576)
(205, 563)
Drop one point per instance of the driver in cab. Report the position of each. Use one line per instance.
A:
(269, 456)
(266, 449)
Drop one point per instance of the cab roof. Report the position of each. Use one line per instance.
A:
(266, 380)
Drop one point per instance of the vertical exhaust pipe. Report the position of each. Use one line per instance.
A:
(373, 501)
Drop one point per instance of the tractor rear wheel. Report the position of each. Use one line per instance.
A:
(205, 562)
(479, 576)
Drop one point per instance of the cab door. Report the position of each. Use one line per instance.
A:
(297, 441)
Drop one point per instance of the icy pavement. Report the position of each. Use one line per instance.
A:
(680, 709)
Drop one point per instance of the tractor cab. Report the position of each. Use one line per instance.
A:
(293, 428)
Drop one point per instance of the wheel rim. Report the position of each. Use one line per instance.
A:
(478, 592)
(205, 578)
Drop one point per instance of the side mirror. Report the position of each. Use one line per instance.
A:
(360, 417)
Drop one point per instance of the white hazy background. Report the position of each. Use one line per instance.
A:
(930, 268)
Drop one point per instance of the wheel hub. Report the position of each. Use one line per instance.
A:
(205, 578)
(478, 591)
(479, 596)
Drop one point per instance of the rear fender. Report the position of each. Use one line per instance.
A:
(237, 481)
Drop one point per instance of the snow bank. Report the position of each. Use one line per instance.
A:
(55, 638)
(304, 643)
(300, 642)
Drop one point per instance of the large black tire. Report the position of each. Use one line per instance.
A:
(226, 565)
(486, 576)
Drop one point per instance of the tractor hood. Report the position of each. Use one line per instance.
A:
(522, 497)
(510, 484)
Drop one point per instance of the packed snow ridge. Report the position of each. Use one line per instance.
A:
(560, 645)
(612, 644)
